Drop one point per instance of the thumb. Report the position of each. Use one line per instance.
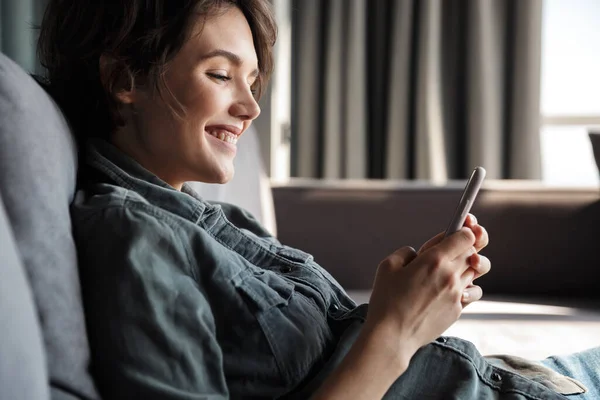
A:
(432, 242)
(403, 256)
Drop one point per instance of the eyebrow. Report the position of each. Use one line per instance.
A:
(234, 58)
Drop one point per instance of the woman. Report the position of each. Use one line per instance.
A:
(191, 300)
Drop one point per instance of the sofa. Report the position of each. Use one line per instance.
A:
(44, 351)
(541, 296)
(542, 244)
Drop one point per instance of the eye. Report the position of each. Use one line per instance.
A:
(254, 87)
(219, 77)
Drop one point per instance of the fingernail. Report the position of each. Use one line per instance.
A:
(466, 296)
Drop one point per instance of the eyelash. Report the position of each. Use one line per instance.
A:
(220, 77)
(226, 78)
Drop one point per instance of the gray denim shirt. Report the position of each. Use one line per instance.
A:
(187, 299)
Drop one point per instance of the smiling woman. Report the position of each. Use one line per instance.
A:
(187, 299)
(211, 81)
(178, 97)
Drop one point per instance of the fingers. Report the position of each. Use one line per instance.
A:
(471, 294)
(481, 235)
(400, 258)
(481, 267)
(470, 221)
(432, 242)
(478, 266)
(457, 244)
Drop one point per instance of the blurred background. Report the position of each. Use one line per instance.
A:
(417, 89)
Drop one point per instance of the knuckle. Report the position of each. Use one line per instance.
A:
(387, 264)
(435, 258)
(484, 242)
(468, 236)
(486, 235)
(450, 281)
(471, 274)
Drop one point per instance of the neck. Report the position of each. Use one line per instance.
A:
(132, 144)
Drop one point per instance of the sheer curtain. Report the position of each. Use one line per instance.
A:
(416, 89)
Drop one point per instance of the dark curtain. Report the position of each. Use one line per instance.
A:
(416, 89)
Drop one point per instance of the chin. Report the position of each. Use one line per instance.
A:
(222, 180)
(215, 174)
(223, 176)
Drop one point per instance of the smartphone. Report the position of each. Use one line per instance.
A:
(466, 201)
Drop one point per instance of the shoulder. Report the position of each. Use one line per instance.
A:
(114, 205)
(113, 222)
(110, 216)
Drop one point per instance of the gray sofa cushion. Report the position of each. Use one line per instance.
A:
(37, 180)
(22, 364)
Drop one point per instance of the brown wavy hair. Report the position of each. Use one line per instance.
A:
(140, 37)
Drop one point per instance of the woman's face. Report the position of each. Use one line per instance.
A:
(212, 78)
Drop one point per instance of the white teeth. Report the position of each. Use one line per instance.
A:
(224, 136)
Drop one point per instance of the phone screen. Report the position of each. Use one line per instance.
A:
(466, 200)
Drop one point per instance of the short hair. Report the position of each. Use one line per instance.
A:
(140, 37)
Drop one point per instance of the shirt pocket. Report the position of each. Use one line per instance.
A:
(295, 331)
(263, 289)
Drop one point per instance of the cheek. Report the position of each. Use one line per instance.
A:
(154, 117)
(204, 103)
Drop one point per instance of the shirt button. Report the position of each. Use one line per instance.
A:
(441, 339)
(335, 307)
(496, 376)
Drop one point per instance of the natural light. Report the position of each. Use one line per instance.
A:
(570, 99)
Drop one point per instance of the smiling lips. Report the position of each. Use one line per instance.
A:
(229, 134)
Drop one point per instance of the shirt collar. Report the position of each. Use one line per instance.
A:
(124, 171)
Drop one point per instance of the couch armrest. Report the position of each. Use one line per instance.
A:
(542, 239)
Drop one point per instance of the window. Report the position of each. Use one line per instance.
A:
(570, 98)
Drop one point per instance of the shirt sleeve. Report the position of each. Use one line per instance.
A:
(150, 326)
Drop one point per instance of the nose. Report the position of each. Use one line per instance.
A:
(245, 107)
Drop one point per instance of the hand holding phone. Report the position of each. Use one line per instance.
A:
(466, 201)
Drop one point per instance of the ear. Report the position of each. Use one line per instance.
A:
(116, 80)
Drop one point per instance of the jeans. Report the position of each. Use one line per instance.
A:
(583, 366)
(452, 369)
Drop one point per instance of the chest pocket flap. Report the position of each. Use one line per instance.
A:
(292, 254)
(264, 289)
